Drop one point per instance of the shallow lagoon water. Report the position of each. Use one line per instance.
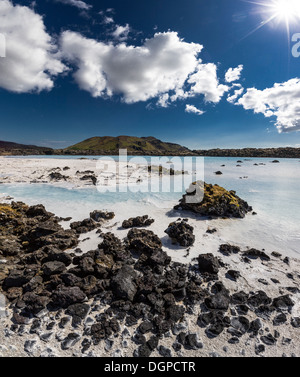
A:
(271, 189)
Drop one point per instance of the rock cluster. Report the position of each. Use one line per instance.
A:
(213, 200)
(129, 284)
(26, 231)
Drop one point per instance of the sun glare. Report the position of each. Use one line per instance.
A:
(287, 10)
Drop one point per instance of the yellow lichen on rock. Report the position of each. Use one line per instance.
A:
(216, 201)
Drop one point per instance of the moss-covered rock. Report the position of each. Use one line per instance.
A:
(213, 200)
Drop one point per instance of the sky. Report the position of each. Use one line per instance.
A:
(201, 73)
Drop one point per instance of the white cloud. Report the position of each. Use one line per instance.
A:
(162, 64)
(193, 109)
(163, 100)
(31, 62)
(164, 67)
(76, 3)
(281, 101)
(205, 81)
(108, 20)
(234, 74)
(121, 32)
(237, 93)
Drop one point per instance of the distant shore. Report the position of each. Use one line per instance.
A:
(245, 153)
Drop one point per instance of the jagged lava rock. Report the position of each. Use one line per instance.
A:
(139, 221)
(143, 241)
(181, 233)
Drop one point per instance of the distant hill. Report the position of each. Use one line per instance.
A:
(147, 146)
(285, 152)
(108, 145)
(9, 148)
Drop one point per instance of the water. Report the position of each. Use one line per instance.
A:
(271, 189)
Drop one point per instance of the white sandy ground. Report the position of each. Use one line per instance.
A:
(253, 231)
(16, 170)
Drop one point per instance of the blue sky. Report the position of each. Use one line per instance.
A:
(68, 79)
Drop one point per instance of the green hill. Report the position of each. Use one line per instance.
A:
(134, 145)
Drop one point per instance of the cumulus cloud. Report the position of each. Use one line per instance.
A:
(163, 67)
(193, 109)
(162, 64)
(281, 101)
(234, 74)
(76, 3)
(31, 61)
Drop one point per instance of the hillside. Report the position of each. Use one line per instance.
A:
(9, 148)
(108, 145)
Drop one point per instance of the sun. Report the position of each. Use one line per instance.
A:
(286, 12)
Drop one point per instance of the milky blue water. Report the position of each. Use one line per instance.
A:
(271, 189)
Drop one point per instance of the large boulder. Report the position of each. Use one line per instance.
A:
(213, 200)
(208, 263)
